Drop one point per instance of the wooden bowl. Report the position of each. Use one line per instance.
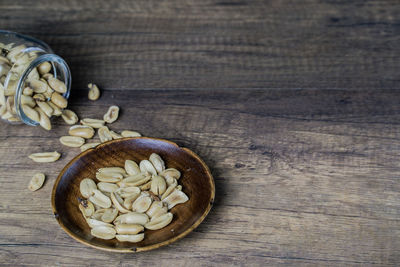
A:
(196, 180)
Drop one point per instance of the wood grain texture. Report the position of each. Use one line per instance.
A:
(218, 44)
(305, 154)
(303, 177)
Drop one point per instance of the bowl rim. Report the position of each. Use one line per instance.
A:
(134, 249)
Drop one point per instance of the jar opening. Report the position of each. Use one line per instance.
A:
(59, 69)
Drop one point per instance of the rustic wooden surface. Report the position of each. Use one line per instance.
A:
(305, 152)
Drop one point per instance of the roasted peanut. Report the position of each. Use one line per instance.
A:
(69, 116)
(112, 114)
(94, 92)
(45, 156)
(37, 181)
(81, 131)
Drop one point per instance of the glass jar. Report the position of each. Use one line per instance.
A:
(20, 56)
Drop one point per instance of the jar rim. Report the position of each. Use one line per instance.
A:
(28, 38)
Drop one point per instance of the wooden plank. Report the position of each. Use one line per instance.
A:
(218, 44)
(302, 178)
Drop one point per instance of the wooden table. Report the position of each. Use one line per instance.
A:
(294, 105)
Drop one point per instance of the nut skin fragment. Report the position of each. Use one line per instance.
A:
(159, 222)
(57, 85)
(130, 238)
(36, 182)
(59, 100)
(69, 116)
(130, 134)
(81, 131)
(45, 156)
(94, 92)
(86, 207)
(87, 187)
(146, 166)
(112, 114)
(72, 141)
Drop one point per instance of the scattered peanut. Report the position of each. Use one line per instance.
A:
(69, 116)
(81, 131)
(112, 114)
(94, 92)
(45, 156)
(37, 181)
(130, 134)
(72, 141)
(93, 123)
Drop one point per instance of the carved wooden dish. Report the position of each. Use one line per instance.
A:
(196, 180)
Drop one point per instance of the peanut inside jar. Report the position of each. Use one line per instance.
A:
(34, 82)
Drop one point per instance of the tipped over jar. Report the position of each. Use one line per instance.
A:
(34, 82)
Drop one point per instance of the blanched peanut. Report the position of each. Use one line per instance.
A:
(44, 68)
(94, 92)
(59, 100)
